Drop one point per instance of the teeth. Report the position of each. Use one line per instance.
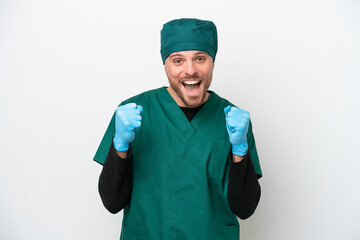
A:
(191, 82)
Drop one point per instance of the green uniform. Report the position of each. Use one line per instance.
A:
(180, 171)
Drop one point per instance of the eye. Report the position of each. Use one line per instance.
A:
(177, 61)
(201, 59)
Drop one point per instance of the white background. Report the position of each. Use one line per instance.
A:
(66, 65)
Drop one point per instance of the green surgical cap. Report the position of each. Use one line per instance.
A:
(188, 34)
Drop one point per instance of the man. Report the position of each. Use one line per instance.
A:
(181, 160)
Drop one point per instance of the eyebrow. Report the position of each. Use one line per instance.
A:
(181, 55)
(176, 55)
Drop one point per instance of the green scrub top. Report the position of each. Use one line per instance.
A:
(180, 171)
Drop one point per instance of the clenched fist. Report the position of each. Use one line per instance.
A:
(237, 125)
(127, 121)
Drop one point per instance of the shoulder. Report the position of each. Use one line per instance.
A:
(223, 102)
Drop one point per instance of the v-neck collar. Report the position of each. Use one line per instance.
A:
(175, 112)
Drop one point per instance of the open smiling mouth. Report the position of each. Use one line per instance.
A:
(192, 87)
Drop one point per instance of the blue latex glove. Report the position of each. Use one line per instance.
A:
(237, 125)
(127, 121)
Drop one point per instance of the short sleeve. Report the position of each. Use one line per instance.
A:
(253, 151)
(105, 143)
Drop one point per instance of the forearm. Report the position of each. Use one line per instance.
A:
(244, 189)
(237, 158)
(122, 154)
(115, 181)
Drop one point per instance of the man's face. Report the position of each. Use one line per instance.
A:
(190, 74)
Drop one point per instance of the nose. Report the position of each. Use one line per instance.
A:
(191, 68)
